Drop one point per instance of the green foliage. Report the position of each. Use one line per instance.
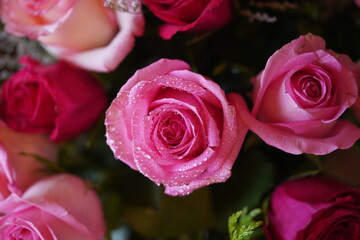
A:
(173, 216)
(242, 224)
(49, 165)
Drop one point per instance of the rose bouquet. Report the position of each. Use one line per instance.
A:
(179, 119)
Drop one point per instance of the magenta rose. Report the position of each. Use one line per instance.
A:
(83, 32)
(175, 126)
(356, 107)
(60, 207)
(190, 15)
(19, 168)
(57, 99)
(300, 96)
(314, 208)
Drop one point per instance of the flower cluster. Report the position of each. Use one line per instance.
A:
(180, 124)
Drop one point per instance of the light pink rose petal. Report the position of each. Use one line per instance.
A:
(161, 67)
(286, 56)
(274, 73)
(343, 136)
(229, 119)
(78, 34)
(118, 137)
(347, 91)
(23, 218)
(146, 159)
(118, 134)
(29, 221)
(202, 180)
(27, 22)
(220, 171)
(355, 68)
(144, 155)
(84, 208)
(234, 131)
(106, 59)
(209, 92)
(278, 106)
(63, 230)
(142, 98)
(310, 128)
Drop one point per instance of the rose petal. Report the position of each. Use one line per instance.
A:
(84, 209)
(343, 136)
(106, 59)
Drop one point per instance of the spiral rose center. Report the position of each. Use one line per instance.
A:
(172, 131)
(24, 100)
(176, 132)
(22, 234)
(310, 88)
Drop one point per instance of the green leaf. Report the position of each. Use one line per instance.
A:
(49, 164)
(174, 216)
(252, 178)
(242, 224)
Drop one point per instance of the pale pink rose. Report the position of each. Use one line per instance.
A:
(61, 207)
(356, 107)
(83, 32)
(17, 171)
(176, 127)
(300, 96)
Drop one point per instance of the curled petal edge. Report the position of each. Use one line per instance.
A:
(343, 136)
(107, 58)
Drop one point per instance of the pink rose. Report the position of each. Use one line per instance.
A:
(356, 107)
(190, 15)
(57, 99)
(83, 32)
(60, 207)
(300, 96)
(17, 171)
(357, 2)
(176, 127)
(314, 208)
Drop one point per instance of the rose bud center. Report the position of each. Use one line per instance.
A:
(310, 88)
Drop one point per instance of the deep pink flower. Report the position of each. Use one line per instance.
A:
(314, 208)
(60, 207)
(58, 99)
(175, 126)
(191, 15)
(300, 96)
